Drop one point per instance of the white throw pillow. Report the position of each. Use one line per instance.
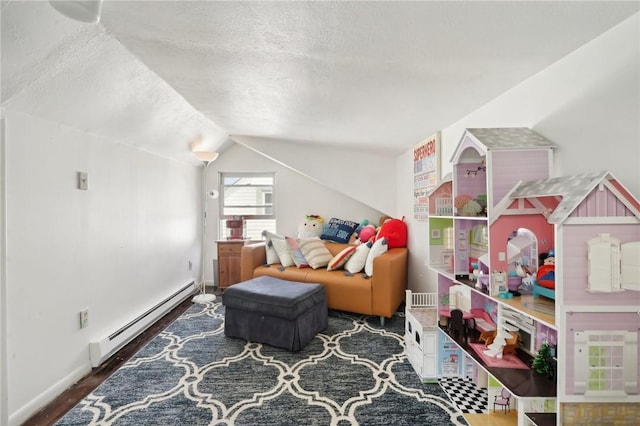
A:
(356, 262)
(379, 247)
(272, 254)
(314, 250)
(282, 248)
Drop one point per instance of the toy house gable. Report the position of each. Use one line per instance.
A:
(488, 162)
(584, 198)
(508, 138)
(441, 198)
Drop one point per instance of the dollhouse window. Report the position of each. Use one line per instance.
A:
(522, 251)
(605, 363)
(613, 266)
(630, 266)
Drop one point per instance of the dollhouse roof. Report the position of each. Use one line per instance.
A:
(571, 191)
(447, 178)
(501, 139)
(510, 138)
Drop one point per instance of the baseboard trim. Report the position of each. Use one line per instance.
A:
(26, 411)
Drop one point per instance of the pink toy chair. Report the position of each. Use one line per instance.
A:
(503, 399)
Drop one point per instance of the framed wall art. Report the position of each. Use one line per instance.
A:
(426, 173)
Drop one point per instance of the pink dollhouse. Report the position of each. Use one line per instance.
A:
(555, 260)
(596, 232)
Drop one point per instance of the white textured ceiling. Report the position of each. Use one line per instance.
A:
(380, 75)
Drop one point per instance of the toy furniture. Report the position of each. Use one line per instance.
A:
(421, 333)
(459, 327)
(276, 312)
(510, 343)
(380, 294)
(503, 399)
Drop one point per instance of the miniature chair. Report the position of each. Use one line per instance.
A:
(457, 326)
(503, 399)
(487, 337)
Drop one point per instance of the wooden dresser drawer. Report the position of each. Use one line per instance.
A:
(229, 252)
(230, 247)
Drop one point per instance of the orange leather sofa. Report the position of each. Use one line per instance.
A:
(380, 294)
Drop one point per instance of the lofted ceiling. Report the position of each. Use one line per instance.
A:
(374, 75)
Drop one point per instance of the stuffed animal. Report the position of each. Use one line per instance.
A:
(546, 274)
(311, 227)
(367, 233)
(395, 231)
(363, 223)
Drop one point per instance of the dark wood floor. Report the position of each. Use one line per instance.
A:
(69, 398)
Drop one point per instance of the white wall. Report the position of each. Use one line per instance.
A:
(361, 175)
(296, 196)
(117, 249)
(588, 103)
(4, 416)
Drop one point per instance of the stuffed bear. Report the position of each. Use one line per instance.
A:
(311, 227)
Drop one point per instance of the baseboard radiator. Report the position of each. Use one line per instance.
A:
(103, 349)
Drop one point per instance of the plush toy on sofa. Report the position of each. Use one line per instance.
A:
(395, 231)
(311, 227)
(367, 233)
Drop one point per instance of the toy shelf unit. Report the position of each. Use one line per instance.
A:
(441, 232)
(552, 264)
(491, 258)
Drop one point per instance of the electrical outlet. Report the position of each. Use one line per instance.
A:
(190, 265)
(84, 318)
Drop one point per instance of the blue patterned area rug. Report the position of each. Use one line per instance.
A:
(353, 373)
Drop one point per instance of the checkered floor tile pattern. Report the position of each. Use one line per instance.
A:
(466, 395)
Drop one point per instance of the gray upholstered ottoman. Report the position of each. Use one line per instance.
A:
(276, 312)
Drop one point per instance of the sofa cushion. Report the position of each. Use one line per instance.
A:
(272, 254)
(338, 230)
(356, 262)
(379, 247)
(315, 252)
(296, 253)
(283, 252)
(340, 259)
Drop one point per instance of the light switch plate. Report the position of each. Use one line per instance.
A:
(83, 181)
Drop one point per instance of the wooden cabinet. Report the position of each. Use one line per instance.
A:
(229, 262)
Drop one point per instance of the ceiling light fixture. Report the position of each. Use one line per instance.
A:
(80, 10)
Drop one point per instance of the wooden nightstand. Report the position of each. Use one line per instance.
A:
(229, 262)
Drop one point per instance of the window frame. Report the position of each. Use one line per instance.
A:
(222, 186)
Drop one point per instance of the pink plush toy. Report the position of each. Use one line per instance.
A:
(367, 233)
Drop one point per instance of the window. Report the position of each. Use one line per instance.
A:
(250, 197)
(605, 363)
